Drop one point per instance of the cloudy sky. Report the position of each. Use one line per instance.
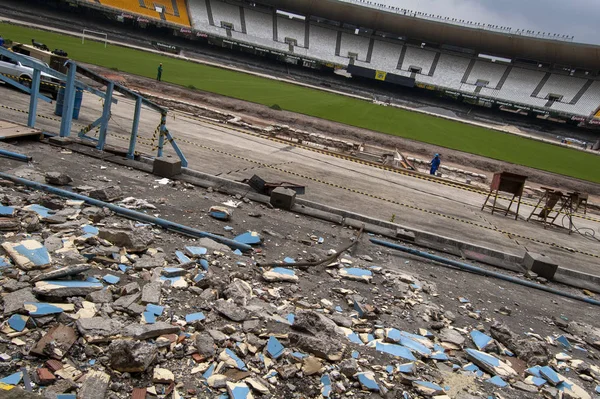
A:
(578, 18)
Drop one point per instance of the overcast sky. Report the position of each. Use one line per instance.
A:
(579, 18)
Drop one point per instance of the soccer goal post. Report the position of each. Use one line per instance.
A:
(94, 35)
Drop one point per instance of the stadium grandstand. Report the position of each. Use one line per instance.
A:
(521, 71)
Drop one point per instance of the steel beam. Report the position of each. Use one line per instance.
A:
(105, 116)
(178, 151)
(83, 134)
(161, 133)
(134, 128)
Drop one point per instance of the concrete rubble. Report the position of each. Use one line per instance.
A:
(95, 306)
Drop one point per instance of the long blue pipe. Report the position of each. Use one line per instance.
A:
(481, 271)
(15, 155)
(128, 212)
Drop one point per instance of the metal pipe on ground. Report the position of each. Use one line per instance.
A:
(474, 269)
(142, 217)
(15, 155)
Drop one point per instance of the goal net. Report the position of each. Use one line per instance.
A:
(95, 35)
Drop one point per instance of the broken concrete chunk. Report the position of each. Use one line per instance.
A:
(131, 356)
(452, 336)
(427, 388)
(219, 213)
(98, 329)
(320, 346)
(231, 310)
(66, 288)
(15, 301)
(532, 351)
(62, 272)
(239, 390)
(137, 240)
(58, 178)
(94, 385)
(151, 293)
(100, 296)
(367, 381)
(146, 331)
(205, 344)
(126, 301)
(107, 194)
(28, 254)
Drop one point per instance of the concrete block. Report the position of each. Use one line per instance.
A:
(283, 198)
(540, 264)
(57, 140)
(166, 167)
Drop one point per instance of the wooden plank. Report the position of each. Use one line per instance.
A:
(10, 130)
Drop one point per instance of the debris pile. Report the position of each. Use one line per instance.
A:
(96, 306)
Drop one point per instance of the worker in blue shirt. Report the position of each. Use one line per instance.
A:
(1, 41)
(435, 164)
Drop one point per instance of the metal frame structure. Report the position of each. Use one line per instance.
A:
(70, 87)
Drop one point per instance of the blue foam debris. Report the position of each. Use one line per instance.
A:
(89, 229)
(199, 277)
(415, 346)
(12, 379)
(389, 369)
(249, 238)
(356, 272)
(564, 342)
(415, 286)
(440, 356)
(438, 348)
(497, 381)
(173, 271)
(228, 228)
(291, 318)
(36, 253)
(123, 268)
(181, 257)
(353, 337)
(355, 354)
(238, 390)
(66, 396)
(110, 279)
(463, 300)
(407, 368)
(4, 262)
(91, 280)
(155, 309)
(538, 381)
(189, 318)
(338, 309)
(41, 309)
(196, 251)
(428, 387)
(534, 371)
(40, 210)
(209, 371)
(326, 389)
(238, 252)
(395, 350)
(92, 362)
(149, 317)
(359, 308)
(550, 375)
(299, 355)
(239, 364)
(274, 347)
(17, 322)
(480, 339)
(471, 367)
(172, 280)
(219, 215)
(289, 260)
(597, 388)
(321, 240)
(367, 380)
(204, 264)
(283, 270)
(393, 335)
(7, 211)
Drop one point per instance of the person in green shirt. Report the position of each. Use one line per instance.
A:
(159, 74)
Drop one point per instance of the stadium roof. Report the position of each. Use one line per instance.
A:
(437, 32)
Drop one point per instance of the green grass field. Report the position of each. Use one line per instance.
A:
(338, 108)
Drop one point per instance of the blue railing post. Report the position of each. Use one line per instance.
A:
(162, 133)
(134, 128)
(33, 99)
(69, 101)
(105, 116)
